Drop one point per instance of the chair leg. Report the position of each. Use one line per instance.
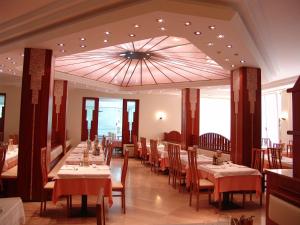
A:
(209, 198)
(244, 198)
(220, 201)
(198, 195)
(250, 196)
(124, 205)
(260, 199)
(191, 194)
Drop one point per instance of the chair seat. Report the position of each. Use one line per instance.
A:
(204, 183)
(117, 186)
(49, 185)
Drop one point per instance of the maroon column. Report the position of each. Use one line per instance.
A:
(190, 115)
(60, 91)
(245, 113)
(35, 120)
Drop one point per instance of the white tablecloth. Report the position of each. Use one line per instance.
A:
(201, 159)
(11, 211)
(69, 171)
(11, 158)
(224, 170)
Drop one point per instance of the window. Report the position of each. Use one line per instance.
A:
(2, 102)
(110, 118)
(215, 116)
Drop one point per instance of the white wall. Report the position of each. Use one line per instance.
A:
(12, 109)
(149, 126)
(286, 125)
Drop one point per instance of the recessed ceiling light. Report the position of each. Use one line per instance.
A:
(212, 27)
(232, 65)
(8, 58)
(188, 23)
(1, 70)
(229, 46)
(148, 54)
(220, 36)
(226, 60)
(242, 61)
(22, 54)
(60, 44)
(82, 39)
(82, 46)
(131, 53)
(107, 32)
(105, 40)
(197, 33)
(131, 35)
(160, 20)
(9, 70)
(163, 28)
(122, 54)
(14, 73)
(13, 62)
(136, 26)
(210, 44)
(62, 50)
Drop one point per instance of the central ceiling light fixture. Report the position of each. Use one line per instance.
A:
(136, 55)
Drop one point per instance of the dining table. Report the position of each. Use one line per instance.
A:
(75, 179)
(12, 211)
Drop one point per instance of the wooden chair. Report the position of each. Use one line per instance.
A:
(103, 141)
(109, 154)
(197, 184)
(171, 174)
(135, 146)
(1, 136)
(2, 161)
(120, 186)
(274, 158)
(266, 142)
(15, 138)
(289, 149)
(257, 162)
(154, 162)
(144, 154)
(180, 173)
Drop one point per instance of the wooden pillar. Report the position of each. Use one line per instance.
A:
(245, 113)
(296, 128)
(35, 120)
(190, 115)
(127, 136)
(60, 91)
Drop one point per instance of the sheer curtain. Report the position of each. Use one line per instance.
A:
(215, 116)
(271, 107)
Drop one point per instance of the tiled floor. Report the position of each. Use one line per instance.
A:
(150, 200)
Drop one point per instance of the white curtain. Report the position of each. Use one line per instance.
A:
(271, 108)
(215, 116)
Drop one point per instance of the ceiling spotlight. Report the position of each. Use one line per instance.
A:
(148, 54)
(22, 54)
(8, 58)
(160, 20)
(9, 70)
(62, 50)
(136, 26)
(131, 35)
(82, 46)
(188, 23)
(131, 53)
(13, 62)
(197, 33)
(163, 28)
(226, 60)
(229, 46)
(107, 32)
(14, 73)
(122, 54)
(220, 36)
(210, 44)
(105, 40)
(1, 70)
(232, 65)
(82, 39)
(242, 61)
(60, 44)
(212, 27)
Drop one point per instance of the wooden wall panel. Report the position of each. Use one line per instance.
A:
(245, 113)
(35, 120)
(94, 125)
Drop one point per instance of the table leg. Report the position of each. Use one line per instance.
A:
(84, 204)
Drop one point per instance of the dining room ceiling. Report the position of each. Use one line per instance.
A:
(226, 33)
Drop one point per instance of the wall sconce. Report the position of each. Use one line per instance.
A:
(284, 115)
(161, 115)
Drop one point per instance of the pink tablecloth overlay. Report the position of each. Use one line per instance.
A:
(231, 178)
(81, 182)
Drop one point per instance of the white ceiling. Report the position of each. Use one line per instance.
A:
(264, 33)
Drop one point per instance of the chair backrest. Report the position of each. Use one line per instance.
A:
(44, 165)
(2, 157)
(279, 145)
(154, 151)
(135, 145)
(170, 148)
(1, 136)
(103, 141)
(15, 138)
(124, 168)
(274, 158)
(290, 142)
(258, 159)
(109, 154)
(177, 159)
(144, 147)
(193, 169)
